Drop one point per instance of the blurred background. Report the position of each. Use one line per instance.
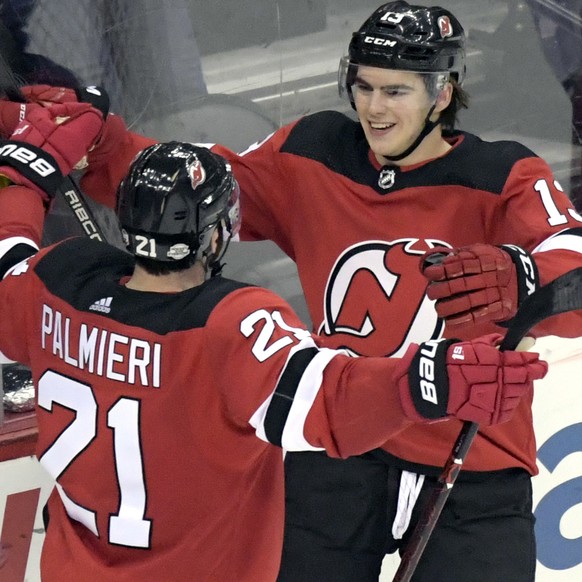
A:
(233, 72)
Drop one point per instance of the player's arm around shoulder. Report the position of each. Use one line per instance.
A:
(276, 379)
(267, 196)
(110, 158)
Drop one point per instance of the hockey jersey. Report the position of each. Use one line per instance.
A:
(357, 230)
(157, 415)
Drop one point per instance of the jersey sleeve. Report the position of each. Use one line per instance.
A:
(22, 215)
(537, 215)
(266, 205)
(274, 378)
(266, 197)
(110, 160)
(19, 292)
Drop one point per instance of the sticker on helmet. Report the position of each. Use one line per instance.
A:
(445, 26)
(197, 174)
(178, 251)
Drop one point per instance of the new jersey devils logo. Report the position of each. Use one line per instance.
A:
(375, 301)
(197, 173)
(445, 26)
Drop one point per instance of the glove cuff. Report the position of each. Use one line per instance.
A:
(428, 378)
(528, 278)
(96, 96)
(32, 163)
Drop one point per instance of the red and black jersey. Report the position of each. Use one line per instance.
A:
(356, 231)
(157, 415)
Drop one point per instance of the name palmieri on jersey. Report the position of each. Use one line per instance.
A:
(98, 351)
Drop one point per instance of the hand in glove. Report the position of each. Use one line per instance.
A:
(479, 283)
(48, 144)
(37, 96)
(471, 381)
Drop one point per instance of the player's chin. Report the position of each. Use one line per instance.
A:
(383, 151)
(383, 146)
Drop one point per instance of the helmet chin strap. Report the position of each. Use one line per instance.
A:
(213, 259)
(428, 127)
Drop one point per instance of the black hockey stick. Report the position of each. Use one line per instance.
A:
(560, 296)
(71, 192)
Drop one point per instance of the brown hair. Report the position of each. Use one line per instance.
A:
(459, 100)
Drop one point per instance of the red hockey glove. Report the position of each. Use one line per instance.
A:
(47, 145)
(468, 380)
(479, 283)
(12, 113)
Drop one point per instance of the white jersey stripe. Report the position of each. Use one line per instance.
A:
(309, 386)
(561, 240)
(293, 438)
(8, 244)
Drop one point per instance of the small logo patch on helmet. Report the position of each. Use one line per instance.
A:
(197, 174)
(445, 26)
(178, 251)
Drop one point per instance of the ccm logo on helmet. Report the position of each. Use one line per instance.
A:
(426, 371)
(379, 41)
(28, 157)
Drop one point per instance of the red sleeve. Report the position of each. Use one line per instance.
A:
(19, 293)
(536, 214)
(273, 377)
(110, 160)
(22, 215)
(266, 190)
(265, 200)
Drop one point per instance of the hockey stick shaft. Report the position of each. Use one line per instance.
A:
(562, 295)
(70, 191)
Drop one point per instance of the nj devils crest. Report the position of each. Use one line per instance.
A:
(375, 302)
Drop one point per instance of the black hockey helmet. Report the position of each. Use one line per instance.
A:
(408, 37)
(171, 200)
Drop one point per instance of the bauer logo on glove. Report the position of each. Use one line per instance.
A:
(24, 155)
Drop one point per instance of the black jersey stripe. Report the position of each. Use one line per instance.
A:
(280, 405)
(82, 271)
(338, 142)
(576, 231)
(17, 253)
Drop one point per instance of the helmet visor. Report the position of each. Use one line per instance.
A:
(395, 85)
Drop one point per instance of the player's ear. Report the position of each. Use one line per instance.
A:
(444, 97)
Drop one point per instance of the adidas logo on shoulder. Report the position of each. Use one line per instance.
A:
(102, 305)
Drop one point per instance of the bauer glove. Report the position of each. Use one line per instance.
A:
(37, 96)
(479, 283)
(48, 144)
(470, 380)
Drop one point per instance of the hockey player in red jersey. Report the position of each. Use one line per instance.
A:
(162, 386)
(357, 205)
